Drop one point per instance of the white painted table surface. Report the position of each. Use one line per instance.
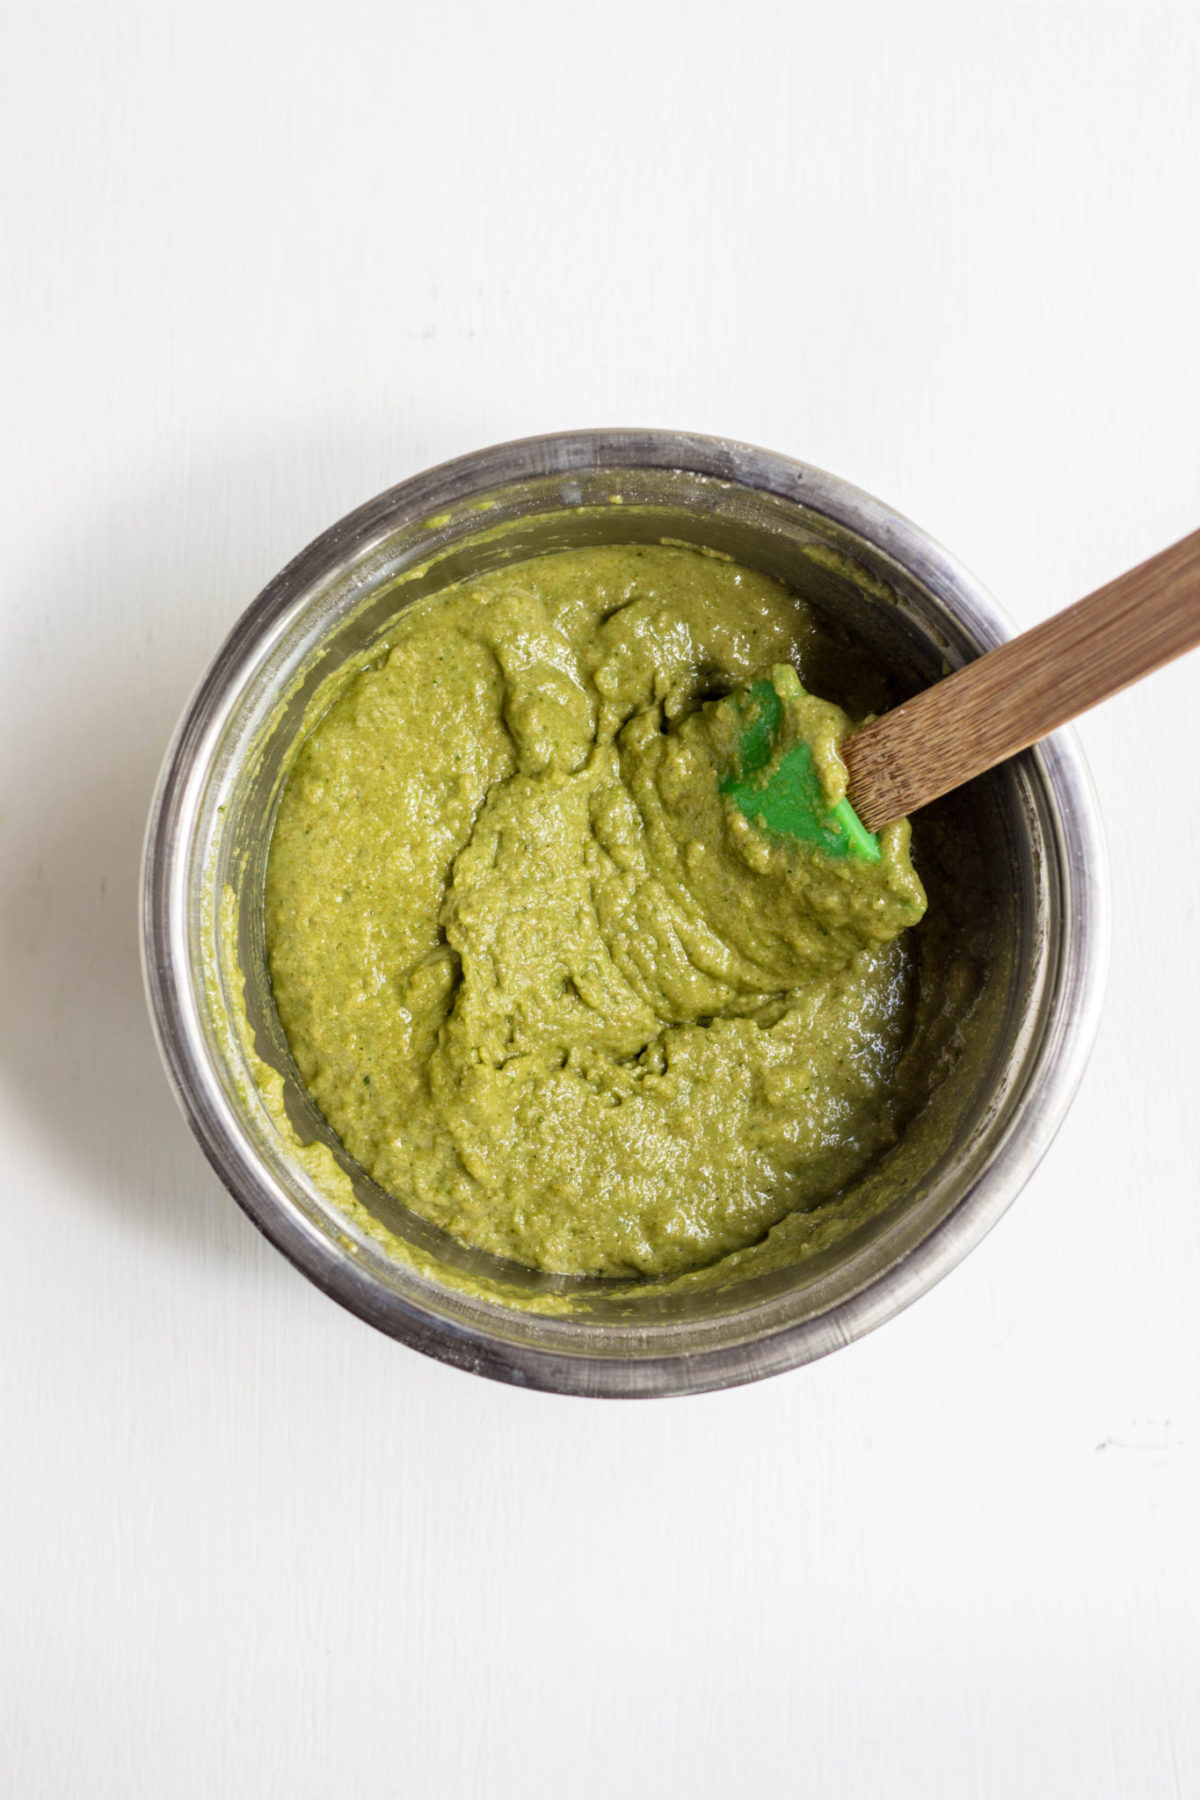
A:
(257, 265)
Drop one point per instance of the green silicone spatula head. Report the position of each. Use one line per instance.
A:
(779, 789)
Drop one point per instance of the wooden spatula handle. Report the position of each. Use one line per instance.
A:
(1015, 695)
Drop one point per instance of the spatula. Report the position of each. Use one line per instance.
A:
(977, 717)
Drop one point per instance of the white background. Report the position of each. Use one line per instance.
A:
(257, 265)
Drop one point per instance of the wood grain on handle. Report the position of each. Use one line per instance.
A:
(1015, 695)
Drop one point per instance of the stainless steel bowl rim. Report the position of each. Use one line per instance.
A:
(1062, 1058)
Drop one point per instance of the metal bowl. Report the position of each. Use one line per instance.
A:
(965, 1157)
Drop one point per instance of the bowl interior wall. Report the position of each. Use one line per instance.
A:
(336, 623)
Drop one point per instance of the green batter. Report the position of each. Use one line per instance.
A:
(547, 984)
